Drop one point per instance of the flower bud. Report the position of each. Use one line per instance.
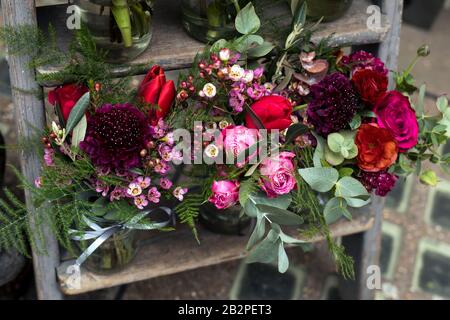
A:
(429, 177)
(423, 51)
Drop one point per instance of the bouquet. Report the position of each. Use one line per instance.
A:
(106, 165)
(302, 134)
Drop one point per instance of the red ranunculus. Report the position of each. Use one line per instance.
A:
(273, 111)
(156, 90)
(377, 149)
(66, 97)
(370, 84)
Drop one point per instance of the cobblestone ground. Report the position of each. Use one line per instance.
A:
(415, 257)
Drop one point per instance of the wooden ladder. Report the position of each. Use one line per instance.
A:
(173, 49)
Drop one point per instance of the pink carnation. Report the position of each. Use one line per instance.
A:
(278, 174)
(225, 194)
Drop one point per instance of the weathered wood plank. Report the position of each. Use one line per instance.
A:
(173, 49)
(29, 113)
(173, 252)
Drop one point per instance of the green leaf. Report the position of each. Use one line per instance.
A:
(258, 232)
(261, 50)
(334, 210)
(356, 202)
(283, 260)
(429, 177)
(244, 43)
(333, 158)
(442, 103)
(266, 251)
(345, 172)
(247, 21)
(348, 187)
(300, 16)
(77, 112)
(356, 122)
(320, 179)
(280, 216)
(319, 153)
(335, 141)
(281, 202)
(421, 101)
(79, 132)
(219, 44)
(445, 121)
(295, 130)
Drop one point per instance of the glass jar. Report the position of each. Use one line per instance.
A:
(121, 27)
(114, 254)
(328, 9)
(210, 20)
(227, 221)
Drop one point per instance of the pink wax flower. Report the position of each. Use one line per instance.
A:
(165, 183)
(237, 139)
(165, 151)
(134, 189)
(162, 168)
(38, 182)
(100, 187)
(278, 174)
(48, 157)
(154, 195)
(395, 113)
(179, 193)
(143, 182)
(225, 193)
(116, 194)
(140, 202)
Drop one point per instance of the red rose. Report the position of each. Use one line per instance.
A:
(273, 111)
(66, 97)
(154, 89)
(377, 149)
(370, 84)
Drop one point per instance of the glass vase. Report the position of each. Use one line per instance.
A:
(330, 10)
(122, 28)
(210, 20)
(114, 254)
(227, 221)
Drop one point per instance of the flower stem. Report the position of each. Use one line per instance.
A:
(121, 14)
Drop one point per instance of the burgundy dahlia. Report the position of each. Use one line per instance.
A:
(364, 60)
(115, 136)
(333, 104)
(382, 182)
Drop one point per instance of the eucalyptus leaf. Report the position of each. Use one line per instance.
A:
(258, 232)
(77, 112)
(320, 179)
(334, 210)
(319, 153)
(335, 141)
(266, 251)
(283, 260)
(280, 216)
(357, 202)
(281, 202)
(348, 187)
(356, 122)
(247, 21)
(219, 44)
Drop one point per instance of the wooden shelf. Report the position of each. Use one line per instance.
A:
(173, 49)
(177, 251)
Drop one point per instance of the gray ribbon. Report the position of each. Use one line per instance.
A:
(102, 234)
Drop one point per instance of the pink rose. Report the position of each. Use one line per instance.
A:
(278, 174)
(224, 193)
(236, 139)
(394, 113)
